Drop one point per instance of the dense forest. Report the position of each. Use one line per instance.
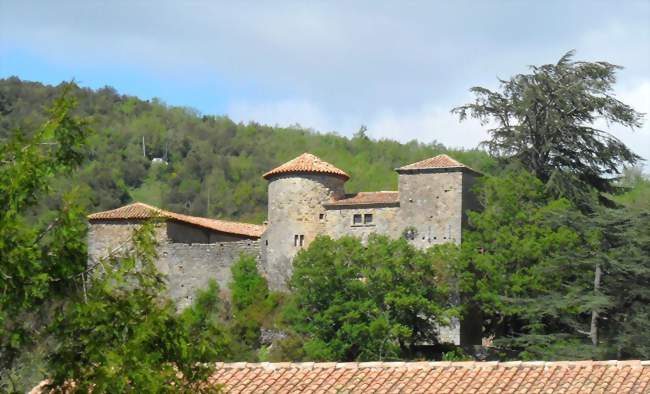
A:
(214, 165)
(555, 264)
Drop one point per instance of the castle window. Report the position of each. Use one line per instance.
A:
(367, 218)
(298, 240)
(295, 240)
(321, 216)
(302, 240)
(356, 219)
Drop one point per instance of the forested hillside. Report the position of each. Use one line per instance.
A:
(555, 264)
(214, 164)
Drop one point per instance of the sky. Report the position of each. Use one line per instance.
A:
(397, 67)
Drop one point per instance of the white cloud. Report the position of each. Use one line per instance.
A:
(638, 97)
(427, 123)
(281, 113)
(396, 67)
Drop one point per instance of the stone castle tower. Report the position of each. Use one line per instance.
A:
(434, 196)
(296, 193)
(306, 198)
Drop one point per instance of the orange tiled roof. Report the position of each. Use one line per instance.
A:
(367, 198)
(440, 161)
(436, 377)
(306, 163)
(138, 210)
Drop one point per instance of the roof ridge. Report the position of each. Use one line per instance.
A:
(147, 211)
(306, 163)
(437, 364)
(440, 161)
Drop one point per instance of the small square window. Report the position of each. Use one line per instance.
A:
(367, 218)
(321, 216)
(356, 219)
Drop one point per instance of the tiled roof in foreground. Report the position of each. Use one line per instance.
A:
(436, 162)
(138, 211)
(436, 377)
(307, 163)
(367, 198)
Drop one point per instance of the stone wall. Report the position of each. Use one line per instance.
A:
(431, 203)
(339, 222)
(109, 236)
(295, 206)
(187, 233)
(188, 266)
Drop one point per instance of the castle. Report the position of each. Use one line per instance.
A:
(306, 198)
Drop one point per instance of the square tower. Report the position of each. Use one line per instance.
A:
(434, 195)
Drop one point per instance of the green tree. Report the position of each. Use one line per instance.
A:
(619, 324)
(248, 286)
(120, 335)
(374, 302)
(551, 281)
(40, 259)
(214, 164)
(515, 255)
(253, 306)
(546, 120)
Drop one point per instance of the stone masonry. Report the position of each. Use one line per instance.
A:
(306, 198)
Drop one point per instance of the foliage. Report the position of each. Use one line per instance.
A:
(248, 287)
(107, 326)
(557, 273)
(121, 336)
(252, 305)
(546, 121)
(373, 302)
(39, 259)
(214, 164)
(529, 264)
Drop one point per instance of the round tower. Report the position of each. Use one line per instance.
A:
(296, 194)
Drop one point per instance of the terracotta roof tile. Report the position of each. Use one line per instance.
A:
(136, 210)
(436, 162)
(139, 211)
(431, 377)
(367, 198)
(306, 163)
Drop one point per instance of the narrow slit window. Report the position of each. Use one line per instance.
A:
(295, 240)
(302, 240)
(357, 219)
(367, 218)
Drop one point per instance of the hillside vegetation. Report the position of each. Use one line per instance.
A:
(215, 165)
(555, 264)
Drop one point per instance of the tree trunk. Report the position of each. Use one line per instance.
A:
(593, 332)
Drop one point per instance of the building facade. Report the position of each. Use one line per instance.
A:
(306, 198)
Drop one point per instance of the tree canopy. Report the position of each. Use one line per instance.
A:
(368, 302)
(212, 165)
(553, 271)
(548, 121)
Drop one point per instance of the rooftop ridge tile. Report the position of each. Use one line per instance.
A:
(306, 163)
(139, 211)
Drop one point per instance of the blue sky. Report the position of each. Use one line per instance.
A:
(397, 67)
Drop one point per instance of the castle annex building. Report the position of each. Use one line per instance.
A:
(306, 198)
